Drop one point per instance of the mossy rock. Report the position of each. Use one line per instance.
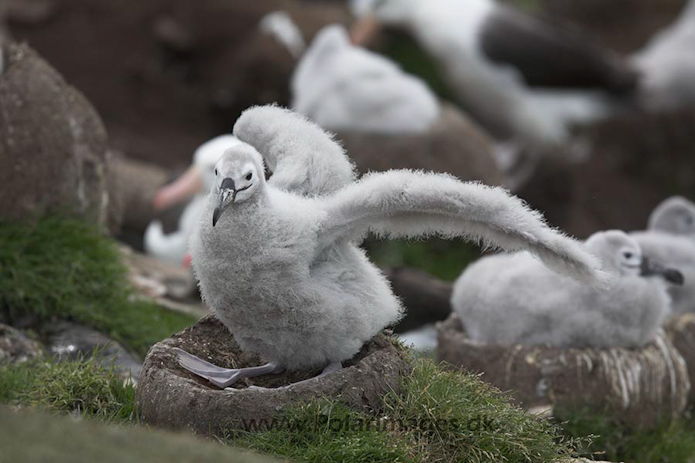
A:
(52, 143)
(638, 386)
(32, 437)
(168, 396)
(681, 332)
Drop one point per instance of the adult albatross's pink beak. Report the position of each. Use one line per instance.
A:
(364, 30)
(180, 190)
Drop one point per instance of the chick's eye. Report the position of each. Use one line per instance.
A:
(628, 255)
(215, 170)
(249, 176)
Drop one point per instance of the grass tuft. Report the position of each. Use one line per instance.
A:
(63, 268)
(608, 439)
(477, 423)
(439, 416)
(325, 431)
(83, 387)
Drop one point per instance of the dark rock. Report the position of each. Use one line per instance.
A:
(637, 386)
(611, 23)
(168, 396)
(681, 331)
(637, 159)
(157, 107)
(455, 145)
(30, 12)
(172, 34)
(69, 341)
(16, 347)
(426, 298)
(132, 187)
(52, 143)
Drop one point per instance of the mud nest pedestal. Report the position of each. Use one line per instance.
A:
(170, 397)
(681, 331)
(637, 386)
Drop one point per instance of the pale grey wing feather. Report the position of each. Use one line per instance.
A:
(407, 204)
(302, 157)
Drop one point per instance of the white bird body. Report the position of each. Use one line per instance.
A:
(514, 299)
(670, 240)
(667, 64)
(298, 313)
(173, 247)
(280, 264)
(495, 92)
(344, 87)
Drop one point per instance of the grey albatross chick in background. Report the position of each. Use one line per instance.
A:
(670, 240)
(513, 299)
(282, 269)
(675, 216)
(525, 79)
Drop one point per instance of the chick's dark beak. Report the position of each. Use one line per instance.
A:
(650, 268)
(227, 188)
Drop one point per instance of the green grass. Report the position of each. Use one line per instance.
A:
(670, 442)
(532, 6)
(487, 426)
(63, 268)
(33, 437)
(82, 387)
(412, 59)
(440, 416)
(326, 431)
(445, 259)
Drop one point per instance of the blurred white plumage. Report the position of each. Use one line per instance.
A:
(347, 88)
(523, 78)
(667, 64)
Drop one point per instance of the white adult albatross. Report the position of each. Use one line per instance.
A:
(278, 261)
(193, 185)
(524, 78)
(667, 64)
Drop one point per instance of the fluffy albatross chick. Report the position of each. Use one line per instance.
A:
(670, 240)
(283, 271)
(515, 300)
